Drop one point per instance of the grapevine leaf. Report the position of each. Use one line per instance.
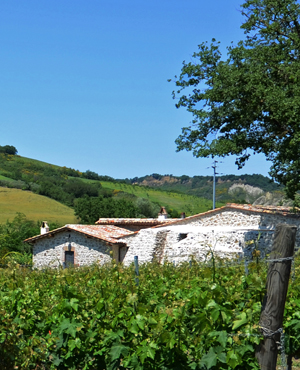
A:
(243, 320)
(117, 350)
(209, 359)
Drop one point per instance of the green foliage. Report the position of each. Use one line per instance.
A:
(177, 318)
(178, 202)
(12, 234)
(97, 318)
(251, 99)
(8, 149)
(45, 179)
(66, 185)
(90, 209)
(94, 176)
(201, 186)
(146, 208)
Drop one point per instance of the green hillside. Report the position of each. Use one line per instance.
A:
(202, 185)
(181, 202)
(191, 195)
(34, 206)
(66, 185)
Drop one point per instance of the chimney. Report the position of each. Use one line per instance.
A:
(44, 227)
(162, 215)
(182, 215)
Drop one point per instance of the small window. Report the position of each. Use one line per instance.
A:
(69, 258)
(182, 236)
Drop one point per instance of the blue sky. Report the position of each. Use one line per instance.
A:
(83, 83)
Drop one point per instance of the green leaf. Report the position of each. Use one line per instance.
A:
(140, 321)
(117, 350)
(74, 304)
(232, 359)
(209, 359)
(215, 314)
(243, 320)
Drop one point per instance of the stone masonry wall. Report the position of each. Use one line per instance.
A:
(227, 234)
(224, 244)
(142, 244)
(50, 252)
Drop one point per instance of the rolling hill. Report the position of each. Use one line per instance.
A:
(35, 207)
(28, 184)
(65, 185)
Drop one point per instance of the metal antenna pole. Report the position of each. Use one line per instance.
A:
(214, 166)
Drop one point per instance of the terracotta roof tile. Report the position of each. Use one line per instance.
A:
(107, 233)
(134, 221)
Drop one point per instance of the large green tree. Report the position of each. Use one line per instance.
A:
(249, 101)
(90, 209)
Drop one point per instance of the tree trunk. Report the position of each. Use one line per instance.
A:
(273, 304)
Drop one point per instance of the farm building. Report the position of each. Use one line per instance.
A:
(77, 245)
(227, 231)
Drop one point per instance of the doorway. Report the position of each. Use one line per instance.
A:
(69, 258)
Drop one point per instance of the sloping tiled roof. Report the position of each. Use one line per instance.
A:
(283, 211)
(134, 221)
(107, 233)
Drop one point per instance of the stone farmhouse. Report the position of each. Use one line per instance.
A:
(226, 231)
(77, 245)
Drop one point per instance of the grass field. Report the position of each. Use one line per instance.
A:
(35, 207)
(181, 202)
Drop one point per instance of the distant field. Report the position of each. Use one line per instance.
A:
(35, 207)
(181, 202)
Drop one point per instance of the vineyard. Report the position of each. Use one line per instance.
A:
(192, 316)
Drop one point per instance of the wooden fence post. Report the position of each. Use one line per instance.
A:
(274, 301)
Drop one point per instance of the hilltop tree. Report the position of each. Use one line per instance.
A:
(8, 149)
(251, 98)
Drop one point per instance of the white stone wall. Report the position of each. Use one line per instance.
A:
(50, 251)
(222, 243)
(227, 234)
(142, 245)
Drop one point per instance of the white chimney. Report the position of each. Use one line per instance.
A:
(44, 227)
(162, 215)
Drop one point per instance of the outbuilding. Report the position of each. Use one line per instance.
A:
(77, 245)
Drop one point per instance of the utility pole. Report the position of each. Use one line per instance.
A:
(214, 167)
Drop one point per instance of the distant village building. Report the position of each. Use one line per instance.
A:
(226, 232)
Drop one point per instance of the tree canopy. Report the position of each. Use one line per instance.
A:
(249, 100)
(90, 209)
(8, 149)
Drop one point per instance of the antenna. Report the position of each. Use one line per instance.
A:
(214, 167)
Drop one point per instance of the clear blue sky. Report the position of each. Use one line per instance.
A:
(84, 82)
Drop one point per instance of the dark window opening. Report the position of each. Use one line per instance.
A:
(69, 258)
(122, 253)
(182, 236)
